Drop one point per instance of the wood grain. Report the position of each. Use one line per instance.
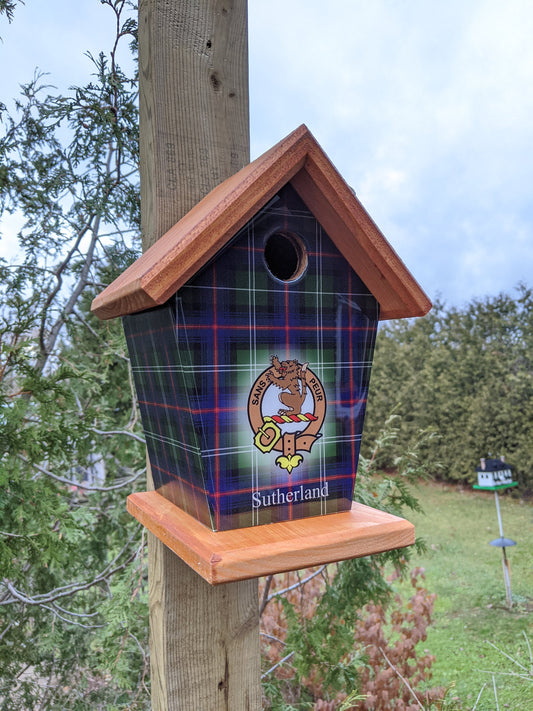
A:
(210, 224)
(194, 115)
(207, 637)
(224, 556)
(204, 641)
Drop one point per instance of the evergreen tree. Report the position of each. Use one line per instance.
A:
(8, 7)
(468, 374)
(73, 617)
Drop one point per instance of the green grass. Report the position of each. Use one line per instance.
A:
(470, 610)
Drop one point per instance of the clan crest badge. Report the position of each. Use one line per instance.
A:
(286, 409)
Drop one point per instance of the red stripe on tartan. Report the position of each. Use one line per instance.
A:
(350, 356)
(215, 385)
(195, 411)
(184, 482)
(287, 328)
(287, 347)
(218, 409)
(348, 403)
(248, 490)
(276, 418)
(257, 327)
(242, 327)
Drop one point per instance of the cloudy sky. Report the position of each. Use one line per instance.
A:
(424, 106)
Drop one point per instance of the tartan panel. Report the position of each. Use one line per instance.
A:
(171, 439)
(196, 359)
(237, 315)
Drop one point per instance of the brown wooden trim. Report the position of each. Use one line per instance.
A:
(192, 241)
(197, 237)
(226, 556)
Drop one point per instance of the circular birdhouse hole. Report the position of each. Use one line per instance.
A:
(285, 256)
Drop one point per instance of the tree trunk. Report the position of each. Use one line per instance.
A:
(193, 63)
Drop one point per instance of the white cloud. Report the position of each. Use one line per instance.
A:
(424, 106)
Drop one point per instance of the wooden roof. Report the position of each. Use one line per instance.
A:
(197, 237)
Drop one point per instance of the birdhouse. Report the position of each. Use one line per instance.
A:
(494, 472)
(251, 327)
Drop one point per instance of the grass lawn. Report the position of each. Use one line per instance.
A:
(470, 611)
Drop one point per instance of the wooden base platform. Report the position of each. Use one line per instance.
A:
(226, 556)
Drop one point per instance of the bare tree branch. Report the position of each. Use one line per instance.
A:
(264, 601)
(299, 584)
(81, 485)
(415, 697)
(112, 433)
(68, 590)
(281, 661)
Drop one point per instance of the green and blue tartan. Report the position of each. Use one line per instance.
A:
(195, 359)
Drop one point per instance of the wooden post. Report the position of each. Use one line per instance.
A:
(194, 133)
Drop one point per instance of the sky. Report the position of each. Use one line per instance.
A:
(425, 107)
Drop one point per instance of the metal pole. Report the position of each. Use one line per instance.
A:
(507, 579)
(499, 514)
(505, 561)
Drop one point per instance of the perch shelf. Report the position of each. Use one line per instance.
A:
(228, 556)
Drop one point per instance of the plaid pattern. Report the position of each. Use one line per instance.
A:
(196, 358)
